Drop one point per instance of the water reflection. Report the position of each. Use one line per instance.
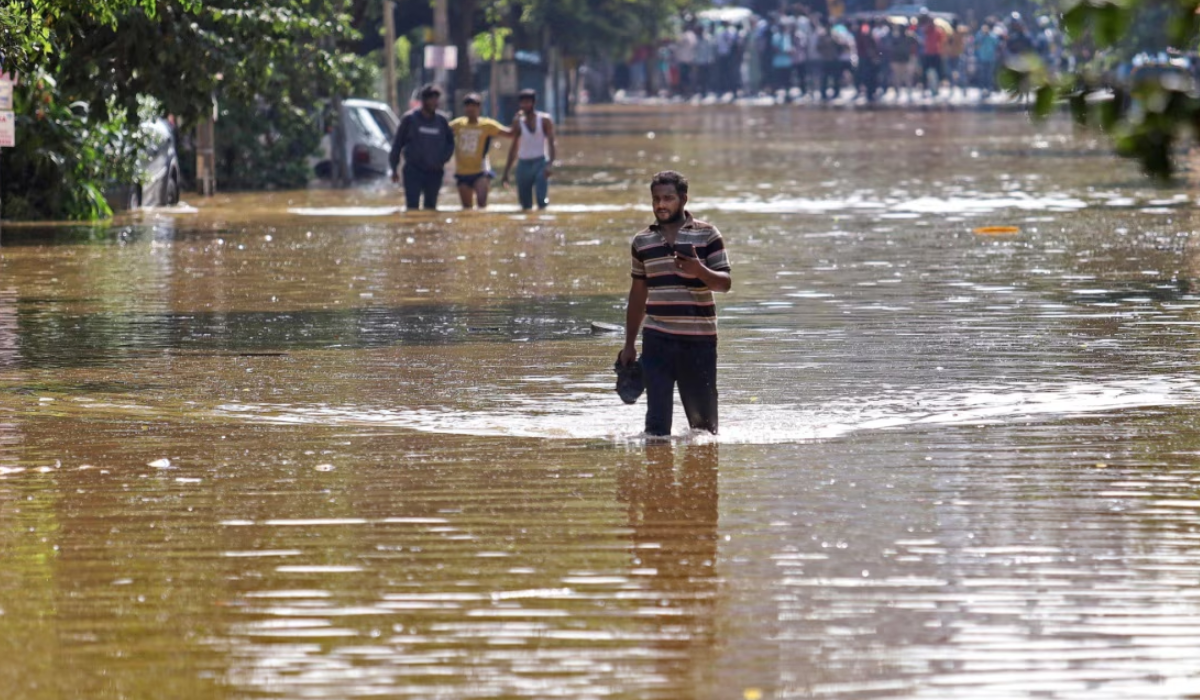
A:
(463, 596)
(276, 446)
(673, 513)
(53, 339)
(9, 361)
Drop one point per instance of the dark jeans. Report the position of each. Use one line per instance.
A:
(868, 78)
(831, 78)
(985, 74)
(417, 182)
(782, 80)
(692, 364)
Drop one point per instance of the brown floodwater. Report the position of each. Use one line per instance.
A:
(302, 445)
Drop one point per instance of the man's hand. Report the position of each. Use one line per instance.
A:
(395, 176)
(628, 355)
(504, 182)
(691, 267)
(549, 171)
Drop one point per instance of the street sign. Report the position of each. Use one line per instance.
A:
(445, 57)
(6, 94)
(506, 78)
(8, 129)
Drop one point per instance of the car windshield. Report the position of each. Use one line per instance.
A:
(366, 121)
(383, 120)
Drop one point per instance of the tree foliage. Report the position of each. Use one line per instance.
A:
(267, 65)
(65, 157)
(184, 52)
(32, 31)
(1146, 109)
(588, 28)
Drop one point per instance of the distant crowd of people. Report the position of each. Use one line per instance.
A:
(802, 54)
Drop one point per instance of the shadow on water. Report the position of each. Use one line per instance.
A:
(52, 339)
(72, 234)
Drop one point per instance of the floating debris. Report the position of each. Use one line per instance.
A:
(997, 230)
(601, 328)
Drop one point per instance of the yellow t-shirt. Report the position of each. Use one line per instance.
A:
(471, 142)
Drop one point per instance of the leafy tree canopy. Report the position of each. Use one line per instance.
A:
(92, 64)
(181, 51)
(1146, 105)
(585, 28)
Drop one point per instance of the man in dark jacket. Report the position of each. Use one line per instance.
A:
(426, 140)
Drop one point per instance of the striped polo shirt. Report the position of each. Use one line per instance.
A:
(676, 303)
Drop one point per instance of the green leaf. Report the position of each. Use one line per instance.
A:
(1108, 112)
(1110, 22)
(1079, 107)
(1008, 79)
(1075, 19)
(1043, 104)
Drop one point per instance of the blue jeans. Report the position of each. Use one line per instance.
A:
(985, 73)
(531, 174)
(690, 363)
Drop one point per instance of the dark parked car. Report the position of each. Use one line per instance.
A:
(158, 166)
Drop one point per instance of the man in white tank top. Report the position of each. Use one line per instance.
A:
(534, 149)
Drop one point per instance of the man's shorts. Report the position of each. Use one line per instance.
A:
(470, 180)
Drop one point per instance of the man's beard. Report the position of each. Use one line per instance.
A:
(673, 219)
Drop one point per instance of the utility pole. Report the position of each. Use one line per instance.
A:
(389, 26)
(441, 35)
(341, 168)
(8, 121)
(206, 154)
(494, 82)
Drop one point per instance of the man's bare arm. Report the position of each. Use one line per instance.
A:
(512, 151)
(635, 313)
(552, 143)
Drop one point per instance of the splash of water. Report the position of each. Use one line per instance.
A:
(591, 415)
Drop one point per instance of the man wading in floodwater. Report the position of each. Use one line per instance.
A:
(534, 148)
(678, 262)
(426, 141)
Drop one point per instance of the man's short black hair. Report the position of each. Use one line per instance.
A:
(472, 98)
(671, 177)
(527, 94)
(430, 91)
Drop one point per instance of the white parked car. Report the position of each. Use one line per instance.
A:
(370, 126)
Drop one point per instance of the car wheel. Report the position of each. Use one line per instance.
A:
(173, 189)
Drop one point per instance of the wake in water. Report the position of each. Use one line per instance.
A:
(592, 415)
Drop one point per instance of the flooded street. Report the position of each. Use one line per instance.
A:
(299, 445)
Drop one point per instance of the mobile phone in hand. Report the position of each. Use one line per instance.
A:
(686, 250)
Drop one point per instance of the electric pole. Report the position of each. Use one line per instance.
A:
(389, 25)
(441, 36)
